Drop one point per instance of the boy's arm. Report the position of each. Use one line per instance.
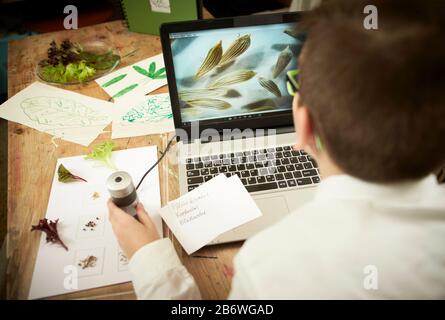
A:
(159, 274)
(241, 288)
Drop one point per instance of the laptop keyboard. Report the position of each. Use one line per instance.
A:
(259, 170)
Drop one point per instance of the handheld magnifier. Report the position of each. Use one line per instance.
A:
(122, 192)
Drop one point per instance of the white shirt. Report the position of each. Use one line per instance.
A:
(355, 240)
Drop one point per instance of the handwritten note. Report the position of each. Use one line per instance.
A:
(208, 211)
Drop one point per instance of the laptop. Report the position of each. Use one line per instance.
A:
(232, 112)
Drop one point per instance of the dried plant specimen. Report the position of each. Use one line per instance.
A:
(91, 225)
(261, 108)
(88, 262)
(232, 78)
(196, 94)
(50, 228)
(209, 103)
(64, 175)
(293, 33)
(123, 258)
(270, 86)
(237, 48)
(211, 61)
(283, 60)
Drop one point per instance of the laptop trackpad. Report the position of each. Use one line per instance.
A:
(273, 209)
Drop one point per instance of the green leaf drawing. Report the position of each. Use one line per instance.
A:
(141, 71)
(114, 80)
(151, 72)
(125, 90)
(57, 112)
(152, 68)
(160, 74)
(153, 110)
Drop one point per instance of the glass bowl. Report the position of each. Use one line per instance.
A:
(97, 54)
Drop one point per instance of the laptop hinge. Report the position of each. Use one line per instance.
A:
(227, 135)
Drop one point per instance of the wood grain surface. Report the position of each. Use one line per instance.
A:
(32, 158)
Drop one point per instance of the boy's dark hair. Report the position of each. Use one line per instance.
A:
(377, 97)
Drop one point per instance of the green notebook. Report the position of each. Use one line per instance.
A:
(146, 16)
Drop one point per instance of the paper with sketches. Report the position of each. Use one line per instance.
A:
(135, 80)
(84, 226)
(150, 114)
(162, 6)
(64, 114)
(213, 208)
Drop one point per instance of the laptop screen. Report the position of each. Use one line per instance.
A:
(234, 73)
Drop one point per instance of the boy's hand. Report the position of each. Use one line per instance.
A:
(132, 234)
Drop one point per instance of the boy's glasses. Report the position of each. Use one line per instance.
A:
(292, 82)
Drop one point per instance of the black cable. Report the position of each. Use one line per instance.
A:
(156, 163)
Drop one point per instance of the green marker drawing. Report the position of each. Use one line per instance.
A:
(160, 74)
(152, 68)
(125, 90)
(153, 110)
(114, 80)
(141, 71)
(151, 72)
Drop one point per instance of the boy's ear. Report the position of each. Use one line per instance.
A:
(303, 127)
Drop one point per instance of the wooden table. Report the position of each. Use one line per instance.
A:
(32, 158)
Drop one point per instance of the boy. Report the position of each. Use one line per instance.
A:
(371, 112)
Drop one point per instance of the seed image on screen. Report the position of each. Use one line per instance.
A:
(234, 71)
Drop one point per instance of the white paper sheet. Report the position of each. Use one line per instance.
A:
(162, 6)
(61, 113)
(137, 79)
(208, 211)
(150, 114)
(73, 203)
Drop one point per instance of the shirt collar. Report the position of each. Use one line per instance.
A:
(348, 187)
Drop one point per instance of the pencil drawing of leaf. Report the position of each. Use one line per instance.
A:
(125, 90)
(114, 80)
(141, 71)
(54, 111)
